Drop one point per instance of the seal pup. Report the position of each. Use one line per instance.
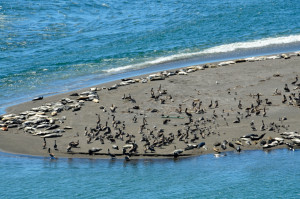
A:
(177, 152)
(231, 145)
(37, 98)
(93, 150)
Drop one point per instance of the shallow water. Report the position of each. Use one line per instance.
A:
(48, 47)
(251, 174)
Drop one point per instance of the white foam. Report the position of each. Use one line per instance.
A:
(217, 49)
(254, 44)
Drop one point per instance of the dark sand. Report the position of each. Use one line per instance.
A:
(227, 84)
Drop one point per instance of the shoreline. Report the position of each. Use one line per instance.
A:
(227, 153)
(187, 86)
(104, 79)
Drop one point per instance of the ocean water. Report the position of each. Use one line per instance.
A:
(251, 174)
(48, 47)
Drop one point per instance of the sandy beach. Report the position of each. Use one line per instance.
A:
(211, 108)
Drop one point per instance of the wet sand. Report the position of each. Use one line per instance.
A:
(198, 104)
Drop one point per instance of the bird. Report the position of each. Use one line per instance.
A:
(113, 108)
(111, 155)
(52, 156)
(262, 128)
(238, 120)
(55, 145)
(296, 80)
(284, 99)
(240, 104)
(238, 149)
(217, 104)
(210, 105)
(187, 113)
(44, 143)
(286, 88)
(74, 144)
(127, 158)
(69, 148)
(268, 102)
(223, 146)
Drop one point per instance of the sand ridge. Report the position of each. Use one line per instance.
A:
(211, 108)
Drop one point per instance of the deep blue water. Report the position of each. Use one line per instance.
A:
(251, 174)
(48, 47)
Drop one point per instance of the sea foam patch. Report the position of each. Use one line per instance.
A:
(213, 50)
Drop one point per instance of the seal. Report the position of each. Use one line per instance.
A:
(37, 98)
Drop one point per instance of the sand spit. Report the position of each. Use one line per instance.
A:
(238, 105)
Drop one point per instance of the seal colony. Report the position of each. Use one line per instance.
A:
(237, 105)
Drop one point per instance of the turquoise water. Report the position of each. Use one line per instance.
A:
(47, 47)
(251, 174)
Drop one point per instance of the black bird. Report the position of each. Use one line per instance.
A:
(217, 104)
(286, 88)
(74, 144)
(294, 82)
(187, 113)
(55, 145)
(52, 156)
(69, 148)
(111, 155)
(127, 158)
(210, 105)
(268, 102)
(238, 149)
(44, 144)
(231, 145)
(284, 99)
(238, 120)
